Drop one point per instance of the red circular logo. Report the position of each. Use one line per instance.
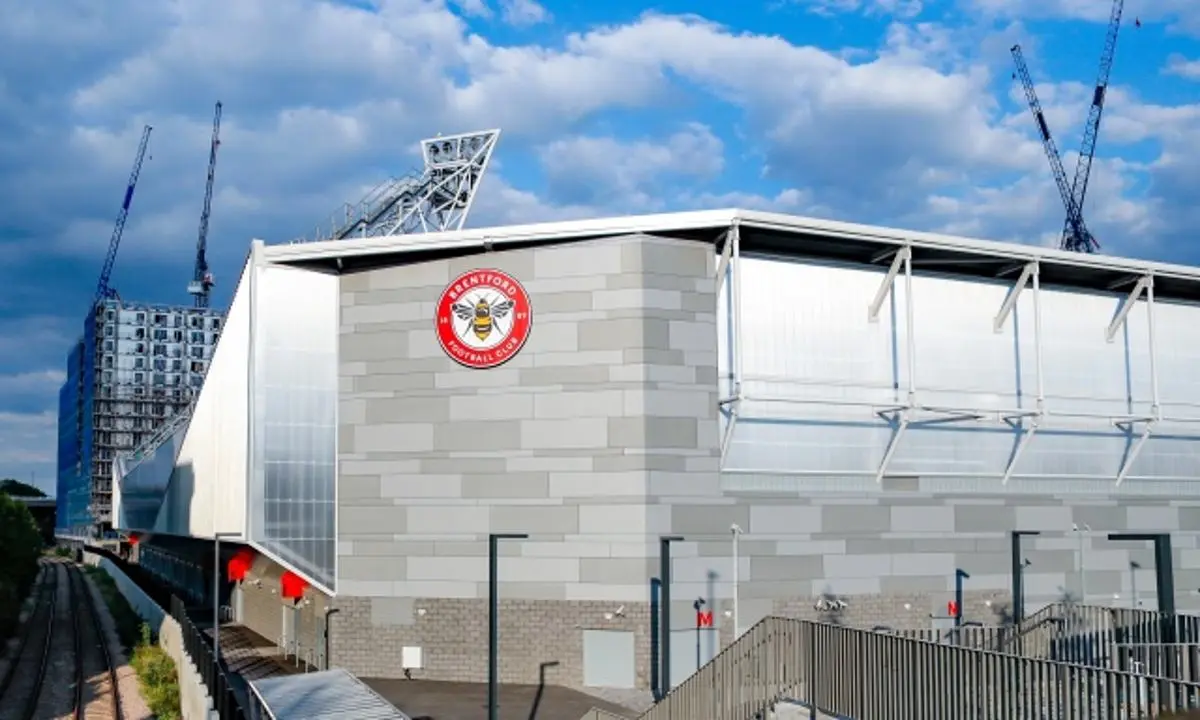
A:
(483, 318)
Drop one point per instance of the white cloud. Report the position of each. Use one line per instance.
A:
(1181, 66)
(636, 175)
(27, 446)
(524, 13)
(1178, 14)
(898, 8)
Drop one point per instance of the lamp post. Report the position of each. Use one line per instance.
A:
(737, 626)
(1080, 529)
(494, 617)
(1018, 573)
(664, 595)
(329, 613)
(1134, 566)
(217, 594)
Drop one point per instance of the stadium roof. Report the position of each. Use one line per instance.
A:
(760, 233)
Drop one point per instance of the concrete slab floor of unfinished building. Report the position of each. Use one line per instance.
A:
(443, 700)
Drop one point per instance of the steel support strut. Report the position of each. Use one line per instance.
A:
(1134, 295)
(731, 264)
(1014, 295)
(1027, 423)
(901, 415)
(1143, 286)
(902, 256)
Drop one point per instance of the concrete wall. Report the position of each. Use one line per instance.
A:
(195, 703)
(612, 401)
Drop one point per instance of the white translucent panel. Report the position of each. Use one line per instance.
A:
(293, 482)
(819, 379)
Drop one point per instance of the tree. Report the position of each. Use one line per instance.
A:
(22, 545)
(16, 488)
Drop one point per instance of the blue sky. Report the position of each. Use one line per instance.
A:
(899, 112)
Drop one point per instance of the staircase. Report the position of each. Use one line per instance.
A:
(1053, 663)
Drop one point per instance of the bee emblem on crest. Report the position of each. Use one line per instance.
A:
(480, 315)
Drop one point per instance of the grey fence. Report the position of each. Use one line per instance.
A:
(872, 675)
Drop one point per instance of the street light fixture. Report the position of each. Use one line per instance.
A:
(664, 594)
(494, 617)
(217, 594)
(1018, 573)
(1080, 529)
(736, 532)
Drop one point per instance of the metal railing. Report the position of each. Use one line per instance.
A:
(198, 647)
(867, 675)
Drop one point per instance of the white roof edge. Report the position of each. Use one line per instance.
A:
(663, 223)
(618, 225)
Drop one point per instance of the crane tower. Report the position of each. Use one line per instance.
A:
(202, 279)
(1075, 235)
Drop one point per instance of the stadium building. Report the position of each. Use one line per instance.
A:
(864, 414)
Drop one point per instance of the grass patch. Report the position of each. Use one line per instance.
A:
(63, 552)
(157, 676)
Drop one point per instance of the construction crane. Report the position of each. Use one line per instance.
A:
(1075, 236)
(203, 280)
(103, 290)
(1091, 131)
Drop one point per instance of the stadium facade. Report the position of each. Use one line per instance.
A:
(862, 412)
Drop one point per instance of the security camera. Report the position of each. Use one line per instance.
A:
(735, 528)
(620, 612)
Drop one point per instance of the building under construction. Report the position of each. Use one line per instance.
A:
(135, 367)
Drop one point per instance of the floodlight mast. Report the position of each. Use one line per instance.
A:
(437, 199)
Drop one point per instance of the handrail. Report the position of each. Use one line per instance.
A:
(858, 673)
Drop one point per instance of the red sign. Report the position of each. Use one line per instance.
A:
(952, 608)
(704, 619)
(240, 564)
(483, 318)
(292, 586)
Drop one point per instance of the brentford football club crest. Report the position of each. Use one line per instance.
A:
(483, 318)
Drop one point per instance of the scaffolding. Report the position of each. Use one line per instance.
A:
(136, 368)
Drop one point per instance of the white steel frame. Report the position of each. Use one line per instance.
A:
(903, 414)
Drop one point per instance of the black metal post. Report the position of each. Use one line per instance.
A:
(1164, 569)
(655, 684)
(959, 576)
(697, 605)
(1018, 574)
(664, 576)
(494, 618)
(1164, 585)
(329, 612)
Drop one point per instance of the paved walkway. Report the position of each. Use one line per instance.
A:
(468, 701)
(251, 655)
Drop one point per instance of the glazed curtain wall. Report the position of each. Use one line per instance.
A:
(292, 486)
(819, 374)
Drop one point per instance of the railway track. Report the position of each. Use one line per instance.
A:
(61, 665)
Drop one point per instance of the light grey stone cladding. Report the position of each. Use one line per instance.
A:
(610, 405)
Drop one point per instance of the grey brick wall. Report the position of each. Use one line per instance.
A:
(369, 635)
